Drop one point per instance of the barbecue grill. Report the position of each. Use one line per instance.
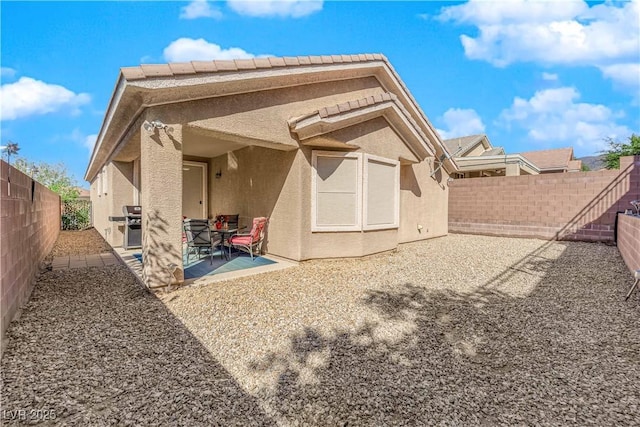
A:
(132, 226)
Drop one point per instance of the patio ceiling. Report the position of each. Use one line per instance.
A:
(199, 145)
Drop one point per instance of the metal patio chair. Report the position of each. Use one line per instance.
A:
(197, 233)
(252, 240)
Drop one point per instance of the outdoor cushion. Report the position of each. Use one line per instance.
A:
(240, 240)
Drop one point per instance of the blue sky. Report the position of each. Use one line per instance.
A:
(531, 75)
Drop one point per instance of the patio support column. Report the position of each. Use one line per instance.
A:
(161, 200)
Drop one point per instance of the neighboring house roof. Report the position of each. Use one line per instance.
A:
(458, 146)
(83, 193)
(145, 86)
(575, 165)
(558, 158)
(496, 151)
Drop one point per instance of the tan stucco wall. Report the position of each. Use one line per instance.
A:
(117, 192)
(161, 201)
(257, 182)
(423, 200)
(264, 115)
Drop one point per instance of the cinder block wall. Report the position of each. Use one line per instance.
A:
(28, 230)
(564, 206)
(629, 240)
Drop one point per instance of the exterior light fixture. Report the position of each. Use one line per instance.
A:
(156, 124)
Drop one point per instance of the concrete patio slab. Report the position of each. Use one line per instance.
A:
(82, 261)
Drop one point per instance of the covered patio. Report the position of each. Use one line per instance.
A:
(202, 270)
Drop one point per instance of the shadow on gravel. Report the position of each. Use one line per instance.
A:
(95, 348)
(568, 353)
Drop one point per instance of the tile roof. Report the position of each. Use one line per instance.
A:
(461, 144)
(334, 110)
(550, 159)
(369, 101)
(216, 66)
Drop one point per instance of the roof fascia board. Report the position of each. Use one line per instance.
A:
(114, 101)
(418, 114)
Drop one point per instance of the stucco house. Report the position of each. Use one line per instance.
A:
(476, 157)
(333, 149)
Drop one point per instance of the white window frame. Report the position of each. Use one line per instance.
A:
(396, 187)
(314, 190)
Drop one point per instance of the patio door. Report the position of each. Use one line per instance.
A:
(194, 189)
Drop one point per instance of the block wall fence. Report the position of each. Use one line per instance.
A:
(29, 227)
(629, 240)
(559, 206)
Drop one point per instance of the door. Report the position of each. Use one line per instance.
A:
(194, 190)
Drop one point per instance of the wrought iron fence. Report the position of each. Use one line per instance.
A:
(76, 214)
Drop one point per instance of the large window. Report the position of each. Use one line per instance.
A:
(354, 192)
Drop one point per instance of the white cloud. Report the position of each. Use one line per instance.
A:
(549, 77)
(28, 97)
(7, 72)
(554, 118)
(199, 9)
(186, 49)
(625, 74)
(281, 8)
(461, 122)
(561, 33)
(90, 141)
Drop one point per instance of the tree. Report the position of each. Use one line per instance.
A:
(585, 168)
(620, 149)
(53, 176)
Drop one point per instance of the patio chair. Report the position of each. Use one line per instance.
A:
(198, 236)
(252, 240)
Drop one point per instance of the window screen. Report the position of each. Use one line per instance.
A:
(337, 195)
(381, 193)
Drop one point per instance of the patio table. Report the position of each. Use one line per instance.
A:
(225, 233)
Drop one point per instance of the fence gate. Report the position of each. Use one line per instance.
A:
(76, 214)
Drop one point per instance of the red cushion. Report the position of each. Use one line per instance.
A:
(240, 240)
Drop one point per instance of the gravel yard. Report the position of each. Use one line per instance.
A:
(456, 330)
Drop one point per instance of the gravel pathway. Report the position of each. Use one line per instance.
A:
(453, 331)
(79, 243)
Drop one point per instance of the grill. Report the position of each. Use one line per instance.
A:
(132, 227)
